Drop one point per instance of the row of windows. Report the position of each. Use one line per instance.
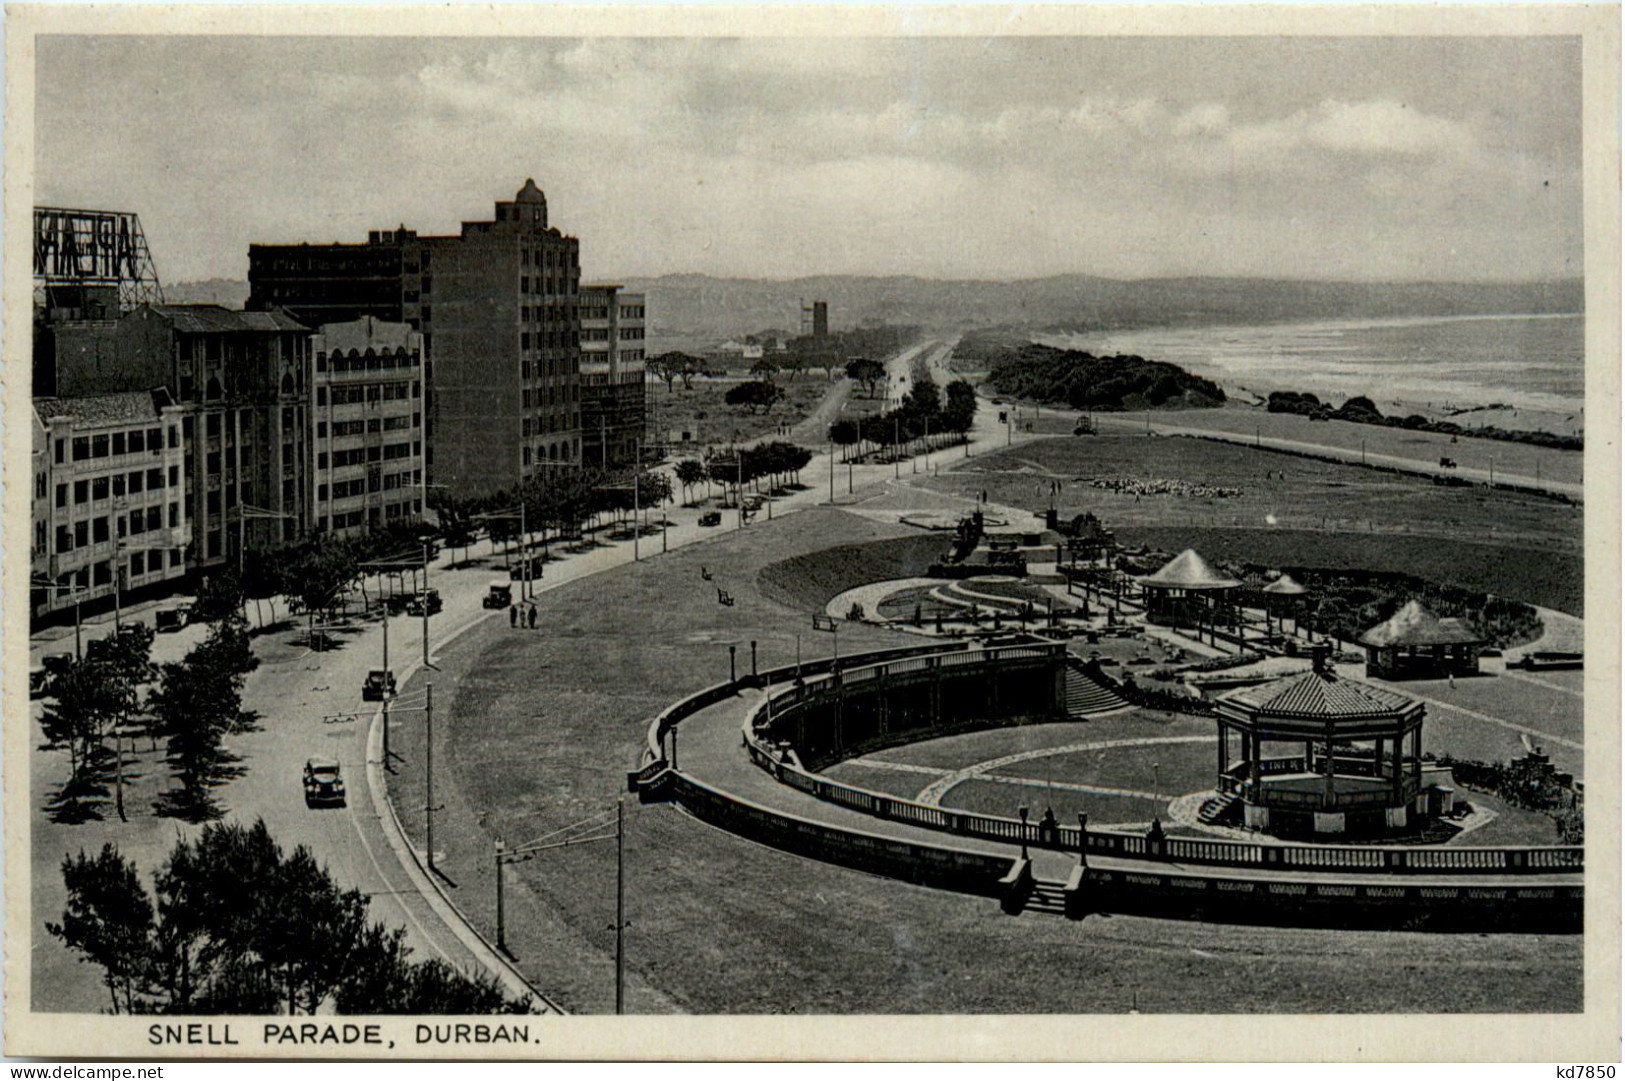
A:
(550, 340)
(362, 455)
(545, 368)
(369, 392)
(344, 428)
(552, 424)
(555, 395)
(133, 483)
(368, 362)
(138, 441)
(345, 489)
(543, 286)
(631, 334)
(96, 530)
(101, 574)
(553, 452)
(548, 258)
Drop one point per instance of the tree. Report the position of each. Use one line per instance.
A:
(689, 473)
(108, 921)
(758, 392)
(218, 594)
(197, 703)
(86, 700)
(765, 369)
(674, 365)
(654, 489)
(242, 928)
(959, 413)
(866, 371)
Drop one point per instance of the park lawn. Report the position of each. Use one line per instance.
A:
(962, 751)
(701, 411)
(1181, 767)
(1467, 451)
(1297, 493)
(993, 798)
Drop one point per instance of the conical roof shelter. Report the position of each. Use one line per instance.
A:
(1188, 570)
(1414, 625)
(1286, 586)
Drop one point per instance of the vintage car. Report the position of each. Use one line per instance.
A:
(518, 572)
(324, 783)
(380, 681)
(172, 619)
(711, 517)
(423, 604)
(498, 594)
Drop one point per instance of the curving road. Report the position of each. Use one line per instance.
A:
(310, 704)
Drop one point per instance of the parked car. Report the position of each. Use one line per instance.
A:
(55, 662)
(324, 782)
(711, 517)
(173, 619)
(38, 680)
(517, 571)
(498, 594)
(424, 603)
(380, 681)
(1447, 463)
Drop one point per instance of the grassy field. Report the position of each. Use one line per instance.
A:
(1296, 512)
(1468, 452)
(702, 413)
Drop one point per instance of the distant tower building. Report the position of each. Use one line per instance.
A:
(496, 306)
(612, 375)
(820, 326)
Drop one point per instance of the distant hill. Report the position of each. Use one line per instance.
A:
(687, 311)
(1067, 377)
(692, 308)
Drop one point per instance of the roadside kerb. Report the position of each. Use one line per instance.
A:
(513, 981)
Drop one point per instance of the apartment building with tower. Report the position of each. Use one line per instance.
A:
(496, 306)
(613, 381)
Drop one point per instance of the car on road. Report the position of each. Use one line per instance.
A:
(535, 564)
(423, 604)
(711, 517)
(1447, 463)
(324, 782)
(498, 594)
(380, 681)
(172, 619)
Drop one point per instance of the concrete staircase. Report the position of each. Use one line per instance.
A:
(1223, 809)
(1084, 696)
(1047, 899)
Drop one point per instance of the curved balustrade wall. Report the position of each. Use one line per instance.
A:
(1172, 877)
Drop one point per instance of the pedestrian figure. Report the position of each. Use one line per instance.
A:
(533, 617)
(513, 614)
(1452, 677)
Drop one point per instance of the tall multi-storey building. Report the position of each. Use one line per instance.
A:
(366, 425)
(109, 496)
(240, 380)
(613, 383)
(496, 306)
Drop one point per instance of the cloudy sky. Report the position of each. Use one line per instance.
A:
(1392, 159)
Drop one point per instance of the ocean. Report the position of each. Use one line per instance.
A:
(1438, 365)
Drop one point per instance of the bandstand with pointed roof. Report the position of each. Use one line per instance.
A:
(1414, 643)
(1186, 592)
(1349, 771)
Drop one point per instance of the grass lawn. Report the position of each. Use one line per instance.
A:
(1294, 511)
(702, 413)
(991, 797)
(1468, 452)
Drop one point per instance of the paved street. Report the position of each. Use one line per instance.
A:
(310, 704)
